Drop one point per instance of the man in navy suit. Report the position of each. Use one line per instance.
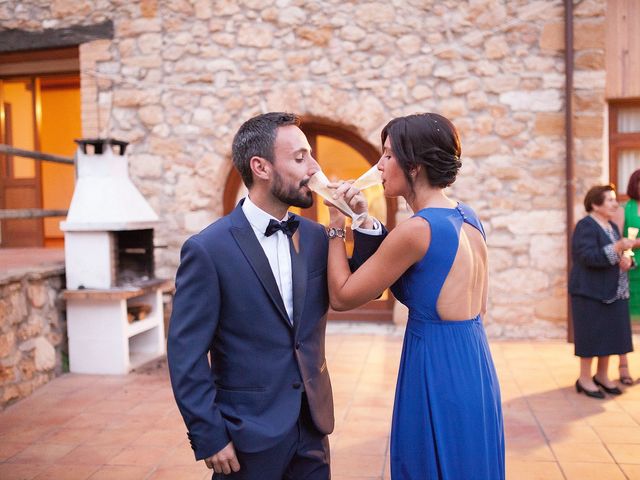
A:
(246, 339)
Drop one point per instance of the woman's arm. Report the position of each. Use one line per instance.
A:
(404, 246)
(588, 250)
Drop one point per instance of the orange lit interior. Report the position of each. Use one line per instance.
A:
(60, 125)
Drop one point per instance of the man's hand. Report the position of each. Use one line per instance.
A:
(225, 461)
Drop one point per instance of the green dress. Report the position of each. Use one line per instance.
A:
(631, 219)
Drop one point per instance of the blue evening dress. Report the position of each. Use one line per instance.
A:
(447, 417)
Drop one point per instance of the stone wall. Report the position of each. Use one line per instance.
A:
(33, 332)
(180, 77)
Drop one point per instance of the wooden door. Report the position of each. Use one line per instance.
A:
(20, 177)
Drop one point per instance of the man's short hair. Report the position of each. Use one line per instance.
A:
(256, 138)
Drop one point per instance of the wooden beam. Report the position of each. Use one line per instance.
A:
(25, 213)
(18, 152)
(14, 40)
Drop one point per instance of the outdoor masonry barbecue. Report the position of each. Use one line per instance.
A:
(114, 302)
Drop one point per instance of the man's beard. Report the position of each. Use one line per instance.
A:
(291, 195)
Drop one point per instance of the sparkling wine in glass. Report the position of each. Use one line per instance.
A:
(318, 183)
(369, 178)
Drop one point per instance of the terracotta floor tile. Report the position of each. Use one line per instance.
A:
(90, 455)
(571, 432)
(592, 471)
(30, 434)
(19, 471)
(161, 438)
(581, 452)
(630, 403)
(618, 434)
(625, 453)
(41, 453)
(69, 436)
(139, 456)
(529, 433)
(358, 428)
(345, 465)
(121, 472)
(611, 419)
(531, 453)
(360, 445)
(631, 471)
(154, 409)
(180, 456)
(111, 406)
(66, 472)
(9, 449)
(531, 470)
(114, 437)
(97, 421)
(136, 422)
(195, 472)
(172, 421)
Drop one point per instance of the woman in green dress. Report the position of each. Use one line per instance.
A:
(632, 219)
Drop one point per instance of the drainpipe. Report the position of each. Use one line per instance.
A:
(568, 132)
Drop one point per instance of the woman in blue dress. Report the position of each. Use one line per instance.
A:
(447, 417)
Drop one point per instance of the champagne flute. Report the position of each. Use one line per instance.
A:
(632, 234)
(318, 183)
(369, 178)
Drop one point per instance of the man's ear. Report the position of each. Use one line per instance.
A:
(260, 167)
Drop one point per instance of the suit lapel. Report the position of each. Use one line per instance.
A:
(299, 275)
(245, 237)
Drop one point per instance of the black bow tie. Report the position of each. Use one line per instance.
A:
(288, 227)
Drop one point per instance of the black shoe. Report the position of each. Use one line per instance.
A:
(588, 393)
(612, 391)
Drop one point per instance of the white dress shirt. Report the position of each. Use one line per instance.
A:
(276, 248)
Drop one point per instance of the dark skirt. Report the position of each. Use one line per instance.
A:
(600, 329)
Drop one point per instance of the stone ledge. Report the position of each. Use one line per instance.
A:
(30, 273)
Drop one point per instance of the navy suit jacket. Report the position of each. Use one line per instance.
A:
(227, 306)
(592, 275)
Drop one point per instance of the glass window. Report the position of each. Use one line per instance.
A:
(624, 142)
(629, 120)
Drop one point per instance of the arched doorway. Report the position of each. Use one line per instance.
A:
(342, 154)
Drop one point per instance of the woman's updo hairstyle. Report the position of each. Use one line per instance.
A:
(426, 139)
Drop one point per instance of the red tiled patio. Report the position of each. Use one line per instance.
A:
(127, 427)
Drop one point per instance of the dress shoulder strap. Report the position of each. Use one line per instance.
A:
(469, 216)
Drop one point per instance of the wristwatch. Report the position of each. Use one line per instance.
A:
(333, 232)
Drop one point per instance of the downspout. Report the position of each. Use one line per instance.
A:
(568, 132)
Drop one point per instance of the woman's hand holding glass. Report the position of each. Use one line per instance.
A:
(344, 191)
(343, 196)
(623, 244)
(625, 263)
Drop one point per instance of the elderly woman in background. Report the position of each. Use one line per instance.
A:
(632, 219)
(599, 289)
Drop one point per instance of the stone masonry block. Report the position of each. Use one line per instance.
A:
(549, 124)
(552, 37)
(588, 126)
(589, 34)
